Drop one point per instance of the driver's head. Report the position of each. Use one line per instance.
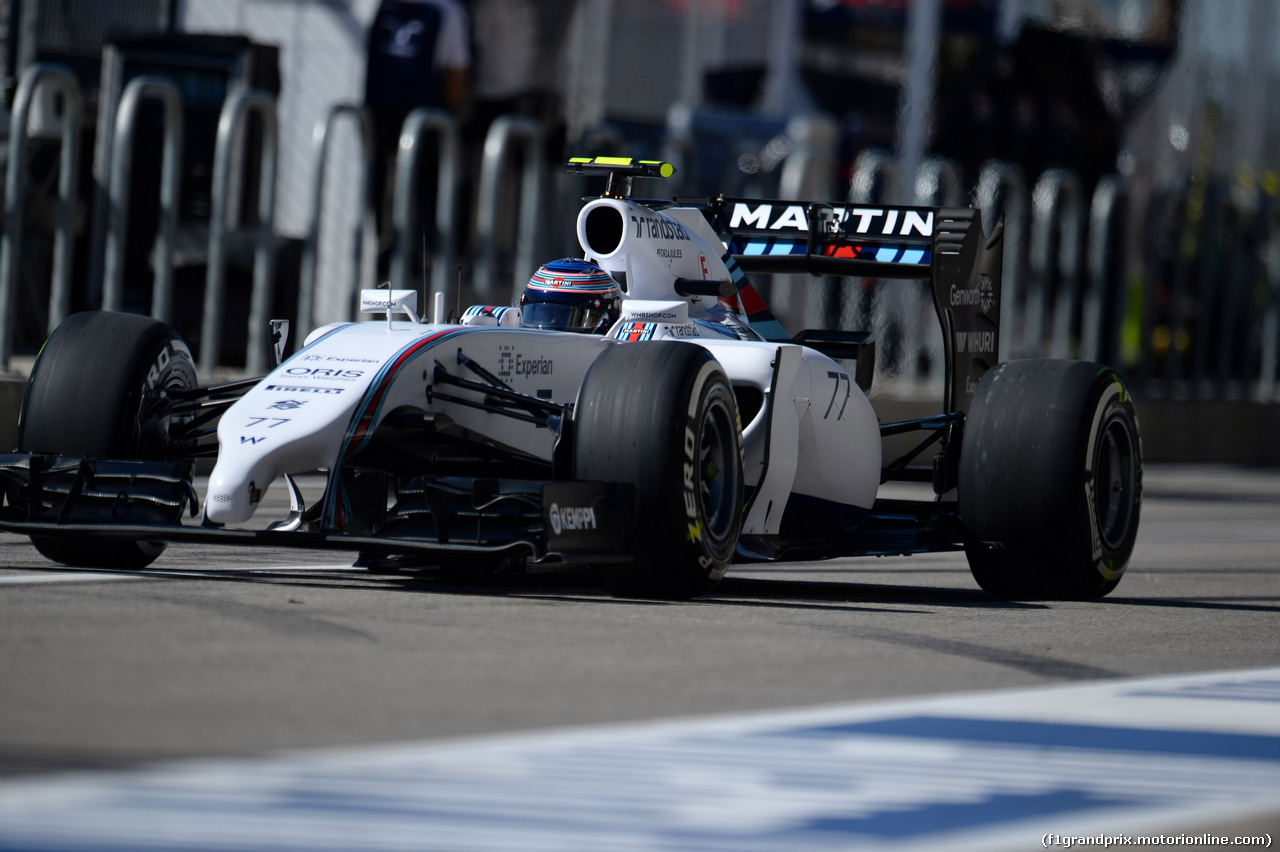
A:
(571, 295)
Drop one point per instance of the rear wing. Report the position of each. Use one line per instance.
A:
(943, 246)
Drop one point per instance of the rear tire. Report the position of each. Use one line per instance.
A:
(662, 416)
(1050, 484)
(86, 397)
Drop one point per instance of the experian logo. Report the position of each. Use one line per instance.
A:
(888, 222)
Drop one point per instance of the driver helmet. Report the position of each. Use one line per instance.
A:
(571, 295)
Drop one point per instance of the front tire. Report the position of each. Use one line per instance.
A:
(1050, 484)
(662, 416)
(87, 396)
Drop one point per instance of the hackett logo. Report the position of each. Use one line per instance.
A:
(875, 221)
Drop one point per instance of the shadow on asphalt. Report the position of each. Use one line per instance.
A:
(733, 590)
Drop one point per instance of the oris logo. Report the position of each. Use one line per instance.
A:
(325, 372)
(571, 518)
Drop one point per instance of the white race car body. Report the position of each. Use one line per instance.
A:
(815, 426)
(320, 404)
(455, 441)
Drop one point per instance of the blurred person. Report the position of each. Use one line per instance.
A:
(507, 52)
(419, 55)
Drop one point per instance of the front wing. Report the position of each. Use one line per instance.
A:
(541, 522)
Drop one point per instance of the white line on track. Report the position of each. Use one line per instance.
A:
(99, 577)
(63, 577)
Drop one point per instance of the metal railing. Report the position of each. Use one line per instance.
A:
(874, 178)
(1200, 320)
(418, 126)
(1002, 192)
(937, 183)
(321, 143)
(33, 79)
(806, 172)
(1103, 308)
(1210, 314)
(1057, 219)
(808, 169)
(119, 202)
(1202, 311)
(503, 134)
(1271, 316)
(231, 127)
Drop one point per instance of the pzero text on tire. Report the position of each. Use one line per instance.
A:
(662, 416)
(88, 396)
(1050, 482)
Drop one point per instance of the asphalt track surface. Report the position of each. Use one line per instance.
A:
(237, 652)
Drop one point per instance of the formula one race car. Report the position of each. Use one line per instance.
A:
(688, 432)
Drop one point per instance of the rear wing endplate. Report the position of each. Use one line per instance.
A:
(941, 245)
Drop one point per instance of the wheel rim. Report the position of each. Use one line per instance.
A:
(1115, 483)
(156, 423)
(718, 471)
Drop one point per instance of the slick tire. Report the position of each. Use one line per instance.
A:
(662, 416)
(86, 397)
(1050, 480)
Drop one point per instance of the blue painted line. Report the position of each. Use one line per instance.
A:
(1253, 690)
(937, 817)
(1055, 735)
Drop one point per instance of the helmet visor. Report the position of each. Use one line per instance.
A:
(565, 317)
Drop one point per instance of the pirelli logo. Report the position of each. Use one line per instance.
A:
(869, 221)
